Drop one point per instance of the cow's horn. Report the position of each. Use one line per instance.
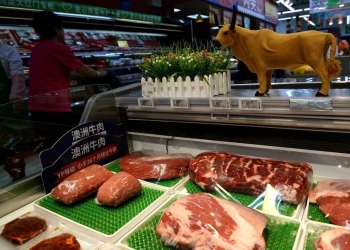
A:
(216, 19)
(234, 15)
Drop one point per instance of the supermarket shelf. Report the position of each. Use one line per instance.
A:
(278, 110)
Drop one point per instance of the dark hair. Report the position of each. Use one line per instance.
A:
(45, 24)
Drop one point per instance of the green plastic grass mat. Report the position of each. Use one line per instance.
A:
(114, 167)
(279, 235)
(314, 213)
(104, 219)
(314, 235)
(284, 208)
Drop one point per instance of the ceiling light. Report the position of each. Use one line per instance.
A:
(306, 9)
(291, 11)
(341, 5)
(330, 22)
(176, 10)
(196, 15)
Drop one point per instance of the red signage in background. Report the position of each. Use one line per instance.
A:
(271, 11)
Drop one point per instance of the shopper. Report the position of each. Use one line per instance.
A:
(12, 81)
(51, 66)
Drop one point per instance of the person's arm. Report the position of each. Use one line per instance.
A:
(89, 72)
(16, 72)
(67, 57)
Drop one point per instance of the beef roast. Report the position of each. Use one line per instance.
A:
(118, 189)
(251, 175)
(336, 209)
(159, 167)
(81, 184)
(334, 239)
(203, 221)
(335, 188)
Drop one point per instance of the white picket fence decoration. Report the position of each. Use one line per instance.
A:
(219, 83)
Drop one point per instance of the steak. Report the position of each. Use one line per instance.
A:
(334, 239)
(335, 188)
(21, 230)
(203, 221)
(81, 184)
(336, 209)
(63, 241)
(247, 175)
(118, 189)
(160, 167)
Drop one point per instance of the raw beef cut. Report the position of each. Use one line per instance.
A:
(336, 209)
(335, 188)
(251, 175)
(203, 221)
(158, 167)
(334, 239)
(118, 189)
(81, 184)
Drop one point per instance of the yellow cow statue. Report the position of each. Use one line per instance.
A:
(265, 50)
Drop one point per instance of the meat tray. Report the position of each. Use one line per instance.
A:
(312, 213)
(170, 184)
(109, 246)
(86, 242)
(283, 233)
(51, 223)
(311, 232)
(285, 209)
(107, 224)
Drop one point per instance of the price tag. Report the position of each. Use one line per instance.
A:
(249, 104)
(311, 104)
(220, 103)
(179, 103)
(146, 102)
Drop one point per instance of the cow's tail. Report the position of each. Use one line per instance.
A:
(333, 65)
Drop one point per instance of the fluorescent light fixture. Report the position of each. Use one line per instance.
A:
(279, 13)
(291, 11)
(84, 16)
(306, 9)
(309, 21)
(215, 28)
(287, 4)
(330, 22)
(341, 5)
(285, 18)
(176, 10)
(340, 20)
(304, 16)
(347, 19)
(181, 21)
(196, 15)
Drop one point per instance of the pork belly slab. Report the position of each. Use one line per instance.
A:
(334, 239)
(203, 221)
(248, 175)
(334, 188)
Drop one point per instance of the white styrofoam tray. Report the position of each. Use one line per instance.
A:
(99, 235)
(298, 213)
(316, 228)
(51, 222)
(109, 246)
(171, 189)
(306, 212)
(124, 240)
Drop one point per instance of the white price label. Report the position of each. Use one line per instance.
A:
(179, 103)
(250, 104)
(146, 102)
(220, 103)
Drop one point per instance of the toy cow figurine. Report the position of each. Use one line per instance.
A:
(264, 50)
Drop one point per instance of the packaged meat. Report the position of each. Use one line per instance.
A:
(333, 187)
(22, 230)
(81, 184)
(63, 241)
(334, 239)
(152, 165)
(203, 221)
(247, 175)
(118, 189)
